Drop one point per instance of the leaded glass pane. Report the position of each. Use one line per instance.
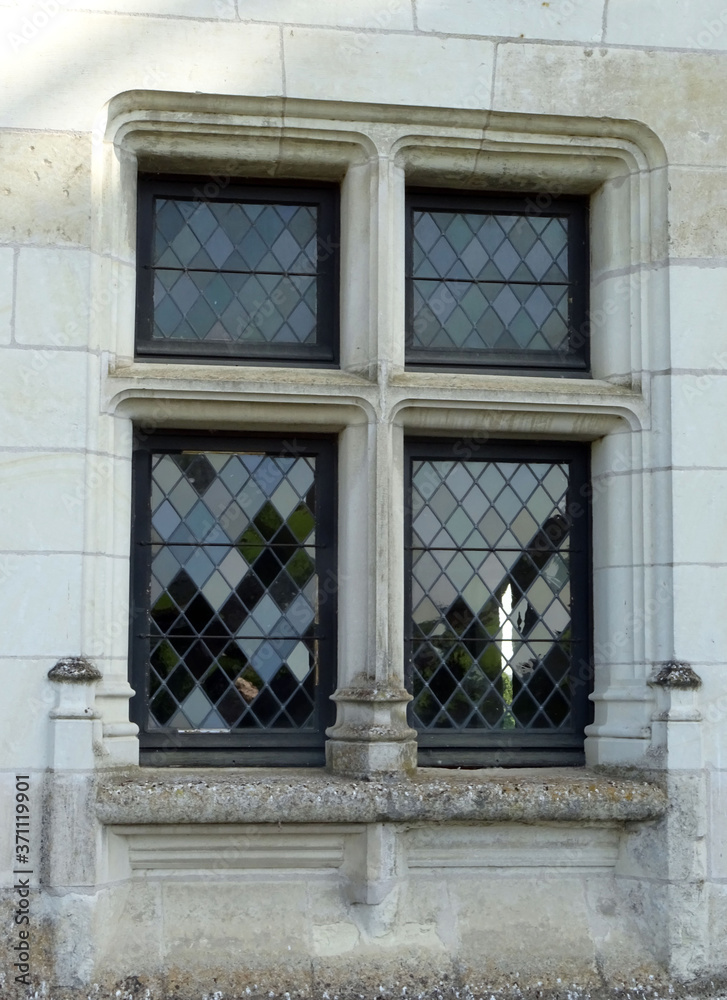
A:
(234, 625)
(496, 281)
(491, 626)
(489, 282)
(232, 272)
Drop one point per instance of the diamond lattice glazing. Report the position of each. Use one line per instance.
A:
(491, 608)
(233, 619)
(234, 272)
(489, 282)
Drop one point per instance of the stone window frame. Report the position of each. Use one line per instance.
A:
(374, 152)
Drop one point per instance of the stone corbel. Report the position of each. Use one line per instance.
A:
(374, 868)
(73, 718)
(676, 719)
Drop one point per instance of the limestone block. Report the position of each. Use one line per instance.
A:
(390, 69)
(551, 910)
(689, 930)
(41, 933)
(700, 24)
(508, 846)
(641, 853)
(31, 823)
(41, 596)
(159, 54)
(7, 266)
(53, 291)
(713, 707)
(717, 896)
(372, 15)
(70, 831)
(202, 9)
(41, 501)
(129, 920)
(45, 195)
(25, 688)
(620, 83)
(559, 19)
(71, 916)
(703, 490)
(698, 212)
(696, 403)
(401, 970)
(333, 932)
(686, 827)
(700, 629)
(44, 397)
(698, 295)
(622, 936)
(250, 927)
(718, 824)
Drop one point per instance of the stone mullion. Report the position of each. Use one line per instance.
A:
(371, 734)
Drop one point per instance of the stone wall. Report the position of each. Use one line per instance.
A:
(365, 879)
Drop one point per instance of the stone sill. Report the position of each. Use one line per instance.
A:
(264, 795)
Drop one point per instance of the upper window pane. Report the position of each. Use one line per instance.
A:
(249, 274)
(496, 283)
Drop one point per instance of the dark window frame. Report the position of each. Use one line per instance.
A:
(323, 354)
(519, 747)
(249, 746)
(574, 363)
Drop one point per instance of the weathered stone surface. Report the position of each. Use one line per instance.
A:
(676, 674)
(149, 795)
(46, 188)
(74, 670)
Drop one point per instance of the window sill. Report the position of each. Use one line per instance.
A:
(528, 795)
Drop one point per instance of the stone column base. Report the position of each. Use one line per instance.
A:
(363, 760)
(371, 736)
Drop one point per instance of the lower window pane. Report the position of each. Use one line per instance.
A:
(234, 636)
(498, 596)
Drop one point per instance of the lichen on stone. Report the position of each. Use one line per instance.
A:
(676, 674)
(74, 670)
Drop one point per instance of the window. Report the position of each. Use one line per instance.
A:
(248, 273)
(382, 393)
(234, 625)
(496, 282)
(498, 601)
